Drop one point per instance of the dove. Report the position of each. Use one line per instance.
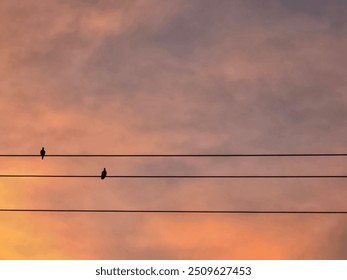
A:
(43, 152)
(103, 174)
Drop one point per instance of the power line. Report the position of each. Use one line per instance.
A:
(171, 211)
(182, 155)
(177, 176)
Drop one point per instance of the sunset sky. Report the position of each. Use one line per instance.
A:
(173, 77)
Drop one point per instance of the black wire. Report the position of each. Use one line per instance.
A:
(170, 211)
(176, 176)
(181, 155)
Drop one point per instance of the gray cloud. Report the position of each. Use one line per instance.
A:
(179, 77)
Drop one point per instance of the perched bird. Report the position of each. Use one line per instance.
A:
(103, 174)
(43, 152)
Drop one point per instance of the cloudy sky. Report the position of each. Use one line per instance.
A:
(153, 76)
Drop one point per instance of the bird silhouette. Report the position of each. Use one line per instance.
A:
(103, 174)
(43, 152)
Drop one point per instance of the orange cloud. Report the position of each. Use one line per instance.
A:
(174, 77)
